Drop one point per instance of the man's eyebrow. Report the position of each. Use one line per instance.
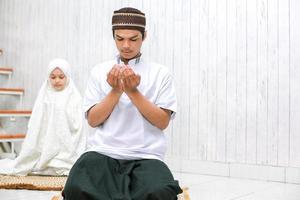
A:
(133, 37)
(118, 36)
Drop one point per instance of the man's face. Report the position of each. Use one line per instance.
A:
(128, 42)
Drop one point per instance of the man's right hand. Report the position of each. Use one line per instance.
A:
(114, 78)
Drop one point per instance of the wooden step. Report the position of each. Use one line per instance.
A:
(6, 70)
(12, 91)
(11, 137)
(15, 113)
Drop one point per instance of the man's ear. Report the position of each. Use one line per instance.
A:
(145, 35)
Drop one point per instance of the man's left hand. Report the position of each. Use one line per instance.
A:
(130, 80)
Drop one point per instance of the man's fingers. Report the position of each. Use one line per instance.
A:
(131, 80)
(114, 76)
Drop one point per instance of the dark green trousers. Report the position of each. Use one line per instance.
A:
(98, 177)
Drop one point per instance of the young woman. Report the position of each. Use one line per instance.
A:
(54, 139)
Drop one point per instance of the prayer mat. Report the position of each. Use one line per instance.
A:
(54, 183)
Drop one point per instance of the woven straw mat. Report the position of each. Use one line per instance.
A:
(32, 182)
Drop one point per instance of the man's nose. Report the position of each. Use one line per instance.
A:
(126, 44)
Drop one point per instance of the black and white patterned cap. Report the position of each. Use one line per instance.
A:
(129, 18)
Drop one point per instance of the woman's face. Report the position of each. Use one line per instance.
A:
(58, 79)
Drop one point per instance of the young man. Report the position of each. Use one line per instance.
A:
(129, 101)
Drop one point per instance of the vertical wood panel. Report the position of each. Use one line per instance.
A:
(272, 112)
(251, 120)
(147, 44)
(284, 82)
(195, 80)
(185, 70)
(241, 70)
(262, 78)
(157, 26)
(294, 136)
(231, 98)
(168, 21)
(181, 72)
(221, 79)
(203, 53)
(211, 82)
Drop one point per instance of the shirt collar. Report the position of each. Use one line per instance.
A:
(131, 62)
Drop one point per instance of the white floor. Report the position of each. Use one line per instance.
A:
(201, 187)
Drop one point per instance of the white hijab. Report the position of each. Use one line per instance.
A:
(54, 139)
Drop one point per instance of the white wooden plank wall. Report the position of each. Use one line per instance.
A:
(235, 64)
